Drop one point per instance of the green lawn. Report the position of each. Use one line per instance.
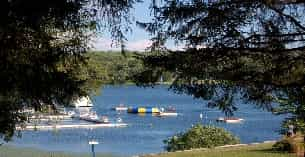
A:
(261, 150)
(9, 151)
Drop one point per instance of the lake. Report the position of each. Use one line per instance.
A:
(145, 133)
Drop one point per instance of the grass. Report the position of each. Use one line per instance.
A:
(10, 151)
(260, 150)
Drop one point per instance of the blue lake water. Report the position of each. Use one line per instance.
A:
(145, 133)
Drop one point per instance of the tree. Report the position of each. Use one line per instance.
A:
(42, 47)
(252, 50)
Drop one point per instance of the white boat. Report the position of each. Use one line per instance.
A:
(82, 105)
(95, 120)
(230, 120)
(162, 114)
(170, 111)
(84, 101)
(121, 107)
(93, 117)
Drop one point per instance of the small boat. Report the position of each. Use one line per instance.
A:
(170, 111)
(82, 102)
(163, 114)
(229, 120)
(121, 107)
(93, 117)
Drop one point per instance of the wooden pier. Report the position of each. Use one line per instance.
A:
(63, 126)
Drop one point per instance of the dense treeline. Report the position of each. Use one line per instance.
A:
(115, 68)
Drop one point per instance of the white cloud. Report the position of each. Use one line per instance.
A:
(177, 47)
(107, 44)
(104, 44)
(139, 45)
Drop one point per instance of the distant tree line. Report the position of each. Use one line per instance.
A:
(115, 68)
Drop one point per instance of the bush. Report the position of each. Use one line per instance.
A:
(200, 137)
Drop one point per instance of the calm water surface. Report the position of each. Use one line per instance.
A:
(145, 133)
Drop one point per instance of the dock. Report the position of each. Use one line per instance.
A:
(65, 126)
(51, 117)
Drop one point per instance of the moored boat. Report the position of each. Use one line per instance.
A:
(170, 111)
(121, 107)
(230, 120)
(95, 120)
(93, 117)
(82, 102)
(162, 114)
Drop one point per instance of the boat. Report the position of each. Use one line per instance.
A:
(230, 120)
(84, 101)
(82, 105)
(121, 107)
(170, 111)
(93, 117)
(163, 114)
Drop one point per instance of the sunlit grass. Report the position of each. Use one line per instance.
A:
(261, 150)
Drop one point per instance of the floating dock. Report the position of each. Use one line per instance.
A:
(64, 126)
(143, 110)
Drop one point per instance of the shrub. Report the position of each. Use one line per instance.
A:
(200, 137)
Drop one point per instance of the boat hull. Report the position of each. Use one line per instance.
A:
(98, 121)
(164, 114)
(230, 120)
(120, 108)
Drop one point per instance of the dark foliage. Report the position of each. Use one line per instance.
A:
(42, 43)
(252, 50)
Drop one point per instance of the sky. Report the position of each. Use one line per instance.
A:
(138, 39)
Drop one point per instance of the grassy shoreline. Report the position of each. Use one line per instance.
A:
(257, 150)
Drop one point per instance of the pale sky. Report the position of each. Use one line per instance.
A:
(138, 39)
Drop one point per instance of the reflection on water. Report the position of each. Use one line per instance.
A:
(145, 133)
